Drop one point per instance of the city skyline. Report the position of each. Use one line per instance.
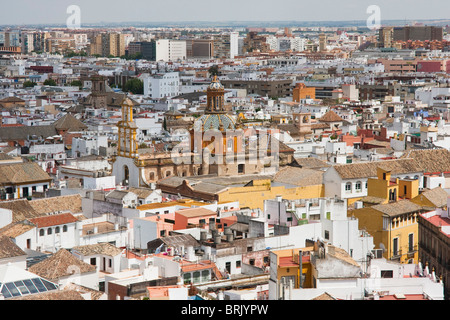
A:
(52, 12)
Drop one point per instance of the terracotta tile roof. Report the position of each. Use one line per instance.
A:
(311, 163)
(100, 248)
(61, 264)
(324, 296)
(187, 266)
(103, 227)
(26, 172)
(54, 295)
(369, 169)
(69, 122)
(397, 208)
(301, 177)
(196, 212)
(331, 116)
(8, 249)
(342, 255)
(70, 203)
(21, 209)
(95, 294)
(14, 230)
(437, 196)
(54, 220)
(430, 160)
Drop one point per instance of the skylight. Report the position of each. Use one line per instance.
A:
(26, 287)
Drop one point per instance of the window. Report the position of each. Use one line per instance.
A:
(327, 235)
(395, 247)
(64, 228)
(93, 261)
(387, 273)
(328, 215)
(249, 249)
(41, 232)
(238, 264)
(348, 187)
(57, 230)
(358, 186)
(49, 231)
(110, 263)
(162, 233)
(411, 242)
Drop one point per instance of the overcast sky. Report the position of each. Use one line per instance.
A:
(94, 11)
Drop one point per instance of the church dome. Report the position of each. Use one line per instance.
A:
(215, 85)
(217, 121)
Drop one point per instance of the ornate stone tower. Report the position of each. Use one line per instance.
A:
(98, 95)
(127, 146)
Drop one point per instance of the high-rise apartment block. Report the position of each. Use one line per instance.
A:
(226, 45)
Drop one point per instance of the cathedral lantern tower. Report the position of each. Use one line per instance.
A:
(127, 146)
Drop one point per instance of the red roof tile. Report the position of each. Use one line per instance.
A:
(54, 220)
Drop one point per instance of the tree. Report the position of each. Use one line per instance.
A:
(29, 84)
(50, 82)
(213, 70)
(135, 85)
(76, 83)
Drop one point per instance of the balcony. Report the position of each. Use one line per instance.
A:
(396, 255)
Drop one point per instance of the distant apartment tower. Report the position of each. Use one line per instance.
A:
(322, 42)
(161, 86)
(146, 48)
(170, 50)
(113, 44)
(226, 45)
(200, 48)
(27, 42)
(386, 37)
(414, 33)
(95, 47)
(255, 42)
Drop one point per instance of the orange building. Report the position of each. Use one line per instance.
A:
(186, 218)
(302, 92)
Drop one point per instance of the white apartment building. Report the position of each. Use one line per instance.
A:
(295, 44)
(88, 144)
(170, 50)
(162, 85)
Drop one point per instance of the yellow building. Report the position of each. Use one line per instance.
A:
(250, 190)
(394, 228)
(390, 215)
(384, 188)
(287, 267)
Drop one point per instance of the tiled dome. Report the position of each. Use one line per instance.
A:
(214, 121)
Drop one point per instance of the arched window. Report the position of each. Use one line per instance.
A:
(168, 173)
(41, 232)
(348, 187)
(49, 231)
(358, 186)
(64, 228)
(57, 230)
